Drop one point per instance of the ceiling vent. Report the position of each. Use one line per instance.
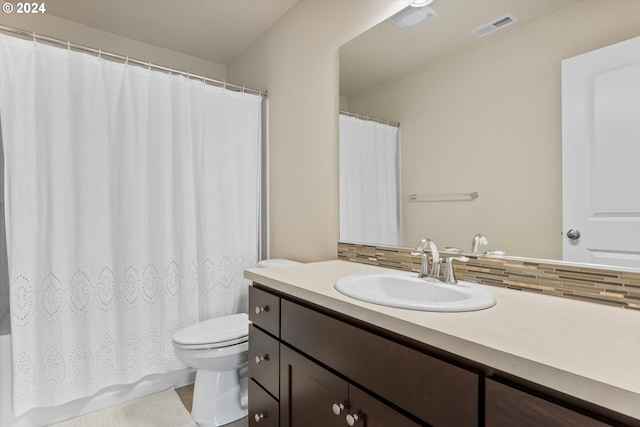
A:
(499, 23)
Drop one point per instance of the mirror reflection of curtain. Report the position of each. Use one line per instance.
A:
(369, 182)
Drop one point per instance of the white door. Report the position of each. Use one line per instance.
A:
(601, 155)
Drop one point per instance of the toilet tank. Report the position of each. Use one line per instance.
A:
(276, 262)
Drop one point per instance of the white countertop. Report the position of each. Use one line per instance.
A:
(587, 350)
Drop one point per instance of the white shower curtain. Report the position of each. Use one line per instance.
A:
(369, 182)
(132, 207)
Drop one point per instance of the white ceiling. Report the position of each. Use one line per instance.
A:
(386, 51)
(216, 30)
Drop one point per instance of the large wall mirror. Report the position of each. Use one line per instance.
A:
(480, 114)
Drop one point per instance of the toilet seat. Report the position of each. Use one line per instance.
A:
(210, 345)
(214, 333)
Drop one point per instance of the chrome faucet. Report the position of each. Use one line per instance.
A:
(429, 244)
(421, 250)
(478, 239)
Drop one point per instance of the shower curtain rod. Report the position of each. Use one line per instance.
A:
(127, 60)
(369, 118)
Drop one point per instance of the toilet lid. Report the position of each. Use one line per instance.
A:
(218, 330)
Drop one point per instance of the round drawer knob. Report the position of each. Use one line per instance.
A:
(259, 417)
(337, 408)
(260, 359)
(261, 309)
(352, 419)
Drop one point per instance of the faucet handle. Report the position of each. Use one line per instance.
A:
(449, 277)
(452, 250)
(419, 250)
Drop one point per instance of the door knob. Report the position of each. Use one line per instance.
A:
(337, 408)
(573, 234)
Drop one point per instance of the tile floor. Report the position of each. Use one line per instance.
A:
(186, 395)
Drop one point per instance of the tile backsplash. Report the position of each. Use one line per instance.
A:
(603, 286)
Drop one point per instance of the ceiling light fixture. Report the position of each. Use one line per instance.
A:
(414, 15)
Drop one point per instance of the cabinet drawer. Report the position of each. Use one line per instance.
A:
(433, 390)
(262, 407)
(264, 360)
(264, 310)
(507, 406)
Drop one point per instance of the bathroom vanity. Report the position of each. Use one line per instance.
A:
(319, 358)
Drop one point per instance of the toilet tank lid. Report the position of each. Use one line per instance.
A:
(216, 330)
(276, 262)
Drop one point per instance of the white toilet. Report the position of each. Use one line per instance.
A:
(218, 350)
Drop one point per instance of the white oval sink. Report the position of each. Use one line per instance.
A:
(413, 293)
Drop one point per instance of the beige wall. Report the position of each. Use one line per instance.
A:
(488, 119)
(297, 62)
(63, 29)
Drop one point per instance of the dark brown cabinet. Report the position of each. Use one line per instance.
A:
(312, 367)
(308, 394)
(311, 396)
(431, 389)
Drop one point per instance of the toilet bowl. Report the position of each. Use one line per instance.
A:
(218, 349)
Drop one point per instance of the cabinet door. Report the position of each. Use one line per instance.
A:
(308, 393)
(373, 413)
